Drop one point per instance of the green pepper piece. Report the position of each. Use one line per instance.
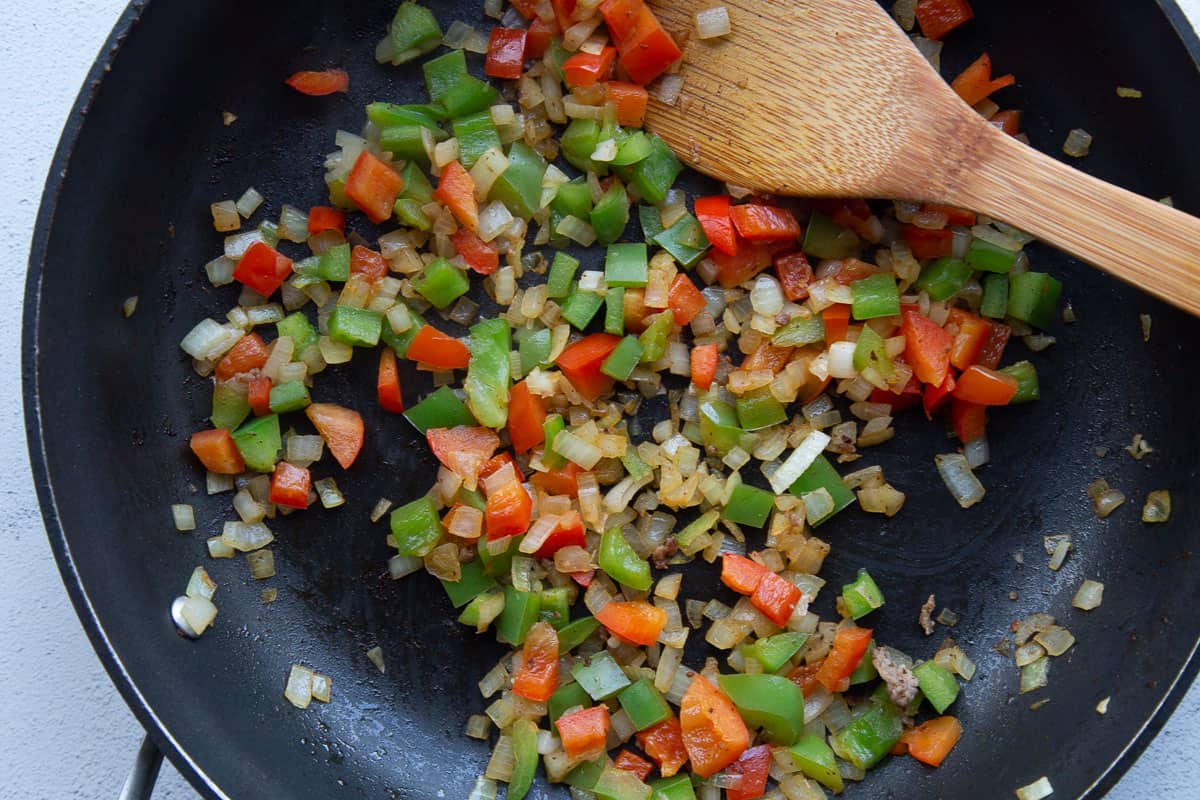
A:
(759, 409)
(799, 332)
(654, 339)
(938, 684)
(534, 348)
(562, 276)
(775, 651)
(690, 535)
(259, 441)
(355, 326)
(816, 760)
(500, 563)
(621, 562)
(626, 265)
(677, 787)
(476, 134)
(655, 174)
(650, 219)
(718, 424)
(400, 341)
(416, 185)
(416, 529)
(552, 427)
(483, 610)
(632, 147)
(556, 607)
(633, 463)
(611, 214)
(871, 351)
(770, 702)
(614, 311)
(995, 296)
(488, 374)
(443, 72)
(875, 296)
(943, 277)
(749, 505)
(685, 241)
(471, 497)
(414, 32)
(1027, 382)
(586, 774)
(600, 676)
(406, 141)
(862, 596)
(572, 199)
(988, 257)
(870, 737)
(618, 784)
(644, 704)
(337, 194)
(440, 409)
(824, 239)
(622, 361)
(410, 215)
(441, 283)
(1033, 298)
(556, 55)
(520, 186)
(301, 331)
(520, 613)
(229, 406)
(580, 307)
(822, 475)
(289, 396)
(469, 95)
(578, 142)
(564, 697)
(472, 583)
(334, 264)
(525, 755)
(390, 115)
(865, 671)
(576, 632)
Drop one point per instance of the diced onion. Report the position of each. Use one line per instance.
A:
(246, 537)
(1078, 143)
(1037, 790)
(669, 88)
(225, 216)
(841, 360)
(1089, 596)
(484, 789)
(185, 517)
(959, 479)
(200, 584)
(713, 22)
(198, 612)
(322, 687)
(503, 761)
(249, 202)
(1157, 507)
(262, 564)
(217, 548)
(799, 461)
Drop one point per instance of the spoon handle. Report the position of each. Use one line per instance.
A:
(1143, 242)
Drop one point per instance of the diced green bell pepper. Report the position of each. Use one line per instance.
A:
(525, 756)
(519, 187)
(556, 55)
(564, 697)
(401, 341)
(406, 141)
(870, 737)
(816, 760)
(416, 185)
(632, 147)
(1027, 382)
(578, 142)
(472, 583)
(942, 278)
(562, 275)
(822, 475)
(469, 95)
(552, 427)
(614, 311)
(871, 351)
(1033, 298)
(520, 613)
(695, 529)
(471, 497)
(759, 409)
(633, 463)
(611, 214)
(677, 787)
(862, 596)
(938, 684)
(650, 219)
(556, 607)
(534, 348)
(775, 651)
(626, 265)
(770, 702)
(875, 296)
(580, 307)
(229, 406)
(621, 562)
(995, 296)
(500, 563)
(624, 358)
(489, 374)
(576, 632)
(476, 134)
(572, 199)
(409, 214)
(334, 264)
(800, 331)
(619, 784)
(416, 529)
(865, 671)
(289, 396)
(441, 283)
(655, 174)
(440, 409)
(600, 676)
(749, 505)
(355, 326)
(824, 239)
(483, 610)
(644, 704)
(654, 339)
(390, 115)
(989, 257)
(718, 424)
(685, 241)
(259, 441)
(414, 32)
(301, 331)
(443, 72)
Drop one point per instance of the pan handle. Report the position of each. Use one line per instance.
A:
(140, 782)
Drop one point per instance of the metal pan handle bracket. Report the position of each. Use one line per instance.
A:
(140, 783)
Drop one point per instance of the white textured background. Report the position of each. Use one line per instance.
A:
(64, 731)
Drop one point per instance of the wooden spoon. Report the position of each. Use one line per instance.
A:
(829, 98)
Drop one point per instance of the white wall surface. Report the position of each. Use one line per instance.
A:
(64, 730)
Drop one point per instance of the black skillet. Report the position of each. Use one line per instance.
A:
(110, 402)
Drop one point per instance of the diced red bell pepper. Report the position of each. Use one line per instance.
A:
(584, 579)
(975, 83)
(258, 395)
(563, 10)
(906, 398)
(508, 511)
(217, 451)
(993, 345)
(341, 428)
(647, 51)
(431, 346)
(936, 397)
(584, 732)
(526, 414)
(854, 270)
(805, 676)
(985, 387)
(663, 742)
(263, 268)
(849, 647)
(249, 353)
(1008, 121)
(837, 322)
(568, 531)
(629, 761)
(930, 742)
(372, 186)
(969, 420)
(387, 386)
(754, 765)
(713, 214)
(713, 732)
(634, 621)
(795, 274)
(760, 223)
(954, 215)
(538, 677)
(928, 243)
(751, 259)
(539, 36)
(318, 83)
(456, 191)
(685, 299)
(322, 218)
(630, 101)
(588, 69)
(366, 262)
(505, 53)
(581, 363)
(498, 462)
(926, 345)
(767, 356)
(704, 365)
(939, 17)
(526, 8)
(463, 450)
(479, 255)
(776, 597)
(558, 481)
(290, 485)
(741, 574)
(970, 332)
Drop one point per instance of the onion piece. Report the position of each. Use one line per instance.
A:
(1157, 507)
(712, 23)
(298, 690)
(262, 564)
(1078, 143)
(959, 479)
(799, 461)
(1089, 595)
(200, 585)
(185, 517)
(1037, 790)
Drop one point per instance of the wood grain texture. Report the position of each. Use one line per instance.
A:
(828, 98)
